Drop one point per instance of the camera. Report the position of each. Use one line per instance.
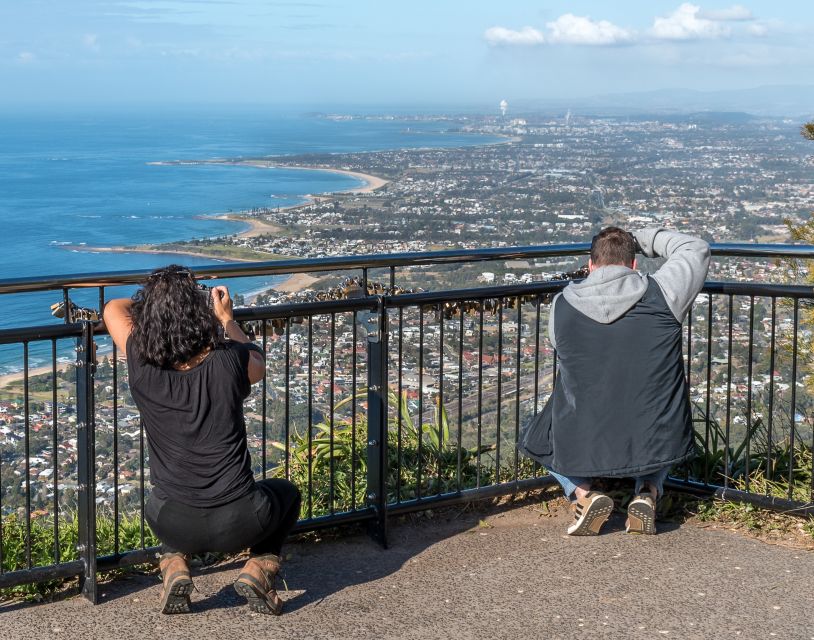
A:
(205, 291)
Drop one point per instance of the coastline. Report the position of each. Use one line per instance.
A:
(252, 226)
(296, 282)
(371, 182)
(256, 228)
(7, 379)
(154, 250)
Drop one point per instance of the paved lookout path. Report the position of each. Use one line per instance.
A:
(504, 573)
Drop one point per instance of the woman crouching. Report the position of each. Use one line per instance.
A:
(189, 384)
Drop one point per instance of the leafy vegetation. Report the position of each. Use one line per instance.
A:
(421, 458)
(42, 544)
(746, 465)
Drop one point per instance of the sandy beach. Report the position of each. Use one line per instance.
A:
(371, 182)
(297, 282)
(17, 376)
(256, 227)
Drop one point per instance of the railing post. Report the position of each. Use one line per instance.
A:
(86, 460)
(376, 325)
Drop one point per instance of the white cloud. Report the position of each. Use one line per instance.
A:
(686, 23)
(571, 29)
(25, 57)
(567, 29)
(527, 36)
(735, 13)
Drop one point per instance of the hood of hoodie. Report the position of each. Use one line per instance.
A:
(607, 293)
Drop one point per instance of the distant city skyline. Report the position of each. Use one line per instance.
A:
(365, 53)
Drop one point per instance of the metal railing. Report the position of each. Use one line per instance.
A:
(384, 404)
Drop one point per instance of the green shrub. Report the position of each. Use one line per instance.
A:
(432, 469)
(790, 465)
(42, 544)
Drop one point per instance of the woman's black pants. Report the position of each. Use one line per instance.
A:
(260, 520)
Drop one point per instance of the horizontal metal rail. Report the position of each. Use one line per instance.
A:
(492, 370)
(344, 263)
(44, 332)
(759, 289)
(42, 574)
(481, 293)
(728, 494)
(304, 309)
(470, 495)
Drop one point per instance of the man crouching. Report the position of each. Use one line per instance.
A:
(620, 406)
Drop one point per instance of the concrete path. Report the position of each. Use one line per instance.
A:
(504, 573)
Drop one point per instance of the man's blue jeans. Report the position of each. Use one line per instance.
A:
(655, 479)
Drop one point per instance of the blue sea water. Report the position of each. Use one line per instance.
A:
(83, 177)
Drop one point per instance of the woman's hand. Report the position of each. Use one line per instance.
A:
(221, 304)
(222, 308)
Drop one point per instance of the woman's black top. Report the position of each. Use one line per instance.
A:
(195, 427)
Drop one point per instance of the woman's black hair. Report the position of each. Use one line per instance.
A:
(172, 321)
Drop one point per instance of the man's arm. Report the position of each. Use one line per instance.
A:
(683, 275)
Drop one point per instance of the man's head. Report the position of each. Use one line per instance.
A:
(612, 246)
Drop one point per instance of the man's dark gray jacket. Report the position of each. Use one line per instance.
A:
(620, 405)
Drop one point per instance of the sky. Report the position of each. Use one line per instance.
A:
(389, 52)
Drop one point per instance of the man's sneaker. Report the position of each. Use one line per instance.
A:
(590, 513)
(641, 515)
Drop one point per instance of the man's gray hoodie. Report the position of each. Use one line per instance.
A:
(620, 404)
(609, 292)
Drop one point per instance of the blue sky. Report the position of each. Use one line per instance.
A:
(385, 52)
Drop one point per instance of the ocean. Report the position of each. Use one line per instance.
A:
(85, 178)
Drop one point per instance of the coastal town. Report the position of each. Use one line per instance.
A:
(488, 364)
(552, 181)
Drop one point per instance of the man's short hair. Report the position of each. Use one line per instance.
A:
(613, 246)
